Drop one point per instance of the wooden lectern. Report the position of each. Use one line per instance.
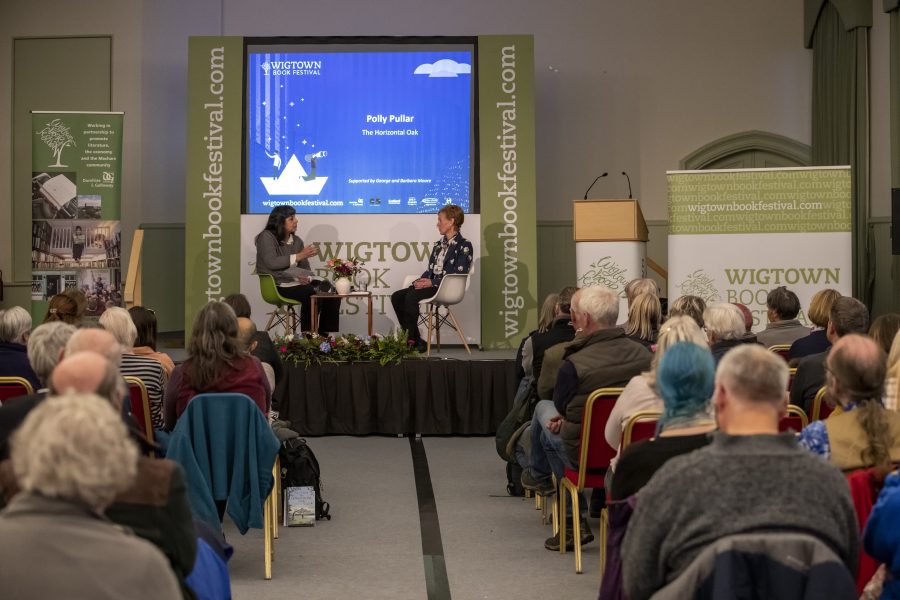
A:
(610, 244)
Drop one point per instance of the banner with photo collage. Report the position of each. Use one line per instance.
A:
(76, 235)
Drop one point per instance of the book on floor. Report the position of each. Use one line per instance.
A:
(299, 506)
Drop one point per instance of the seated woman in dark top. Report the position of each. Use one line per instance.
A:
(685, 380)
(818, 314)
(452, 254)
(282, 254)
(215, 363)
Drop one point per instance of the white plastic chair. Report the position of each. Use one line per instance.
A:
(451, 291)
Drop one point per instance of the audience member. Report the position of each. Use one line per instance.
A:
(724, 327)
(818, 314)
(71, 457)
(156, 506)
(884, 329)
(642, 393)
(545, 319)
(144, 320)
(246, 339)
(265, 349)
(80, 299)
(644, 315)
(215, 363)
(600, 357)
(45, 348)
(15, 327)
(62, 308)
(553, 360)
(685, 381)
(534, 348)
(749, 479)
(118, 322)
(782, 308)
(691, 306)
(636, 287)
(864, 434)
(881, 538)
(88, 372)
(748, 319)
(548, 313)
(848, 315)
(558, 331)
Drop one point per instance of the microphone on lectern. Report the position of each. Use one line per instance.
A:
(592, 184)
(629, 184)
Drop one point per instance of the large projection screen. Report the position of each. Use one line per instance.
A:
(359, 128)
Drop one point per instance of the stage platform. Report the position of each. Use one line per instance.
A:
(450, 393)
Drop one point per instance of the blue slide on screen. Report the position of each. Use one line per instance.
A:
(359, 132)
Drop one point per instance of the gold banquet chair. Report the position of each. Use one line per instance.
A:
(10, 387)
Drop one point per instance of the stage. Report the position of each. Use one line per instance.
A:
(450, 393)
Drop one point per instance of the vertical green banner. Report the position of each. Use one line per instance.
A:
(508, 198)
(213, 181)
(76, 238)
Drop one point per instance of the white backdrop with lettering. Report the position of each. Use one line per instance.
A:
(392, 246)
(612, 265)
(736, 234)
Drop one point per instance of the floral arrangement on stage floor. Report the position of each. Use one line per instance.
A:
(338, 268)
(314, 349)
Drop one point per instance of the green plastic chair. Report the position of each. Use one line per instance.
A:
(284, 313)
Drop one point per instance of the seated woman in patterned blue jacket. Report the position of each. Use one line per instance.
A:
(451, 254)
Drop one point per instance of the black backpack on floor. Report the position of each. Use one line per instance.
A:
(299, 467)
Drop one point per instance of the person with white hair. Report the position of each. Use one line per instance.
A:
(45, 347)
(117, 321)
(70, 457)
(725, 328)
(15, 327)
(599, 357)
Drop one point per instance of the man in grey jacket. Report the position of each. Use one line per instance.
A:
(750, 479)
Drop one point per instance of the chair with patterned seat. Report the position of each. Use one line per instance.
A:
(594, 460)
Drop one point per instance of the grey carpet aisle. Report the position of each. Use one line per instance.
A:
(493, 543)
(373, 548)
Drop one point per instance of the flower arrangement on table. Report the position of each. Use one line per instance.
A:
(338, 268)
(314, 349)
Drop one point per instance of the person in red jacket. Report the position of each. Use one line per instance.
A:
(216, 363)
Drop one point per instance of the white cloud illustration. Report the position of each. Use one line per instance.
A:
(443, 68)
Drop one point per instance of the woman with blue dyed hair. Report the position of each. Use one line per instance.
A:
(685, 380)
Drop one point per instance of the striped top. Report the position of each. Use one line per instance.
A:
(151, 372)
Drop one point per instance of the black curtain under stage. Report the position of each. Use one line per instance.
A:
(427, 396)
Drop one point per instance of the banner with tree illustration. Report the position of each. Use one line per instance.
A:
(76, 236)
(736, 234)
